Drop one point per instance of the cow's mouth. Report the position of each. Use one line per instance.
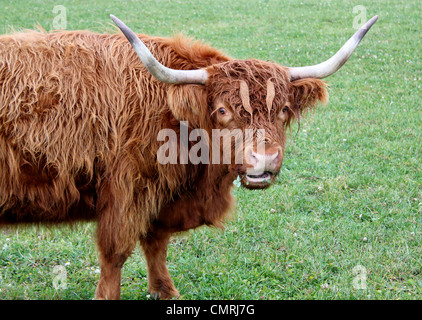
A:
(266, 176)
(258, 181)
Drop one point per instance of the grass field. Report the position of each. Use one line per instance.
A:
(343, 220)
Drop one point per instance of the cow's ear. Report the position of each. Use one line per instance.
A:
(188, 103)
(307, 93)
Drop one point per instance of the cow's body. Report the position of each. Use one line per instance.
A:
(78, 138)
(79, 121)
(74, 118)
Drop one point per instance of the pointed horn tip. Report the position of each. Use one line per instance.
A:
(370, 22)
(118, 22)
(365, 28)
(373, 19)
(130, 35)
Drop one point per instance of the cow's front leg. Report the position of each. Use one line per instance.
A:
(155, 246)
(115, 247)
(109, 285)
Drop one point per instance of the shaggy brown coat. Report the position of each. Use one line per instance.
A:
(79, 119)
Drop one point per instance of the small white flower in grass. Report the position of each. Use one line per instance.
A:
(365, 239)
(237, 182)
(344, 140)
(324, 286)
(67, 263)
(148, 296)
(412, 234)
(97, 270)
(272, 210)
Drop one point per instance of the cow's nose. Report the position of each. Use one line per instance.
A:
(268, 161)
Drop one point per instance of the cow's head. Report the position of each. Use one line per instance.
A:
(256, 98)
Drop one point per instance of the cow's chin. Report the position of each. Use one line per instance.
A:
(258, 181)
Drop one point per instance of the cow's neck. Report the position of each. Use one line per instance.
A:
(208, 202)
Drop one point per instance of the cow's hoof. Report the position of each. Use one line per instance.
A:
(164, 294)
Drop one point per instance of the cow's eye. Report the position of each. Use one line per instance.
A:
(223, 115)
(284, 114)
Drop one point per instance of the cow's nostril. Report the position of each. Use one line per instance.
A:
(252, 158)
(274, 157)
(267, 160)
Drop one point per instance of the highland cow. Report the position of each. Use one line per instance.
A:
(80, 116)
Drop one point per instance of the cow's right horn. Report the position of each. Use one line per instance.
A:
(330, 66)
(159, 71)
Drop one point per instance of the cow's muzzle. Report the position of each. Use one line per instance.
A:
(262, 168)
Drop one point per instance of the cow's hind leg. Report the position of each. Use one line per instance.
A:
(155, 246)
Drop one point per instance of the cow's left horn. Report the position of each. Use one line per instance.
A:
(159, 71)
(330, 66)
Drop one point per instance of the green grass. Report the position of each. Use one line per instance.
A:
(350, 189)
